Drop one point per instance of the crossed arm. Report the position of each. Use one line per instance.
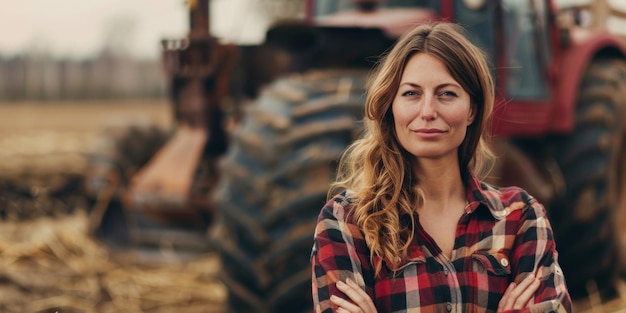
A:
(538, 284)
(516, 297)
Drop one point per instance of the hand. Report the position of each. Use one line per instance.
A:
(361, 302)
(518, 296)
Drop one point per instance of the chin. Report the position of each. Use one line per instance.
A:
(428, 154)
(432, 154)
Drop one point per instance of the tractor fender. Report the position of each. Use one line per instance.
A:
(584, 46)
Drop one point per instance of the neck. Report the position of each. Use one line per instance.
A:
(441, 183)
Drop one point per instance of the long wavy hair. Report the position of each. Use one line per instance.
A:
(378, 169)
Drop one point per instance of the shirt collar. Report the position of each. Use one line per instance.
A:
(478, 193)
(481, 193)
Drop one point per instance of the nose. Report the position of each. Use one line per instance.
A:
(429, 110)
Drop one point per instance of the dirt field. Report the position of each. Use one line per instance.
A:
(47, 262)
(43, 148)
(42, 137)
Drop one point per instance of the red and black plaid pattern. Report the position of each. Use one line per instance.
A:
(504, 236)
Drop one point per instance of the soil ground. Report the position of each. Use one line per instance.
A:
(53, 136)
(48, 263)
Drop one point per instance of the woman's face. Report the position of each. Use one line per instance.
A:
(431, 110)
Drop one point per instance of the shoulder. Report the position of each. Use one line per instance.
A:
(339, 207)
(502, 201)
(335, 223)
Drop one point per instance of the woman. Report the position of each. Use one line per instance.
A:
(414, 227)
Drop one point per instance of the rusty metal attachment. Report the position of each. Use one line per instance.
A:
(168, 187)
(167, 198)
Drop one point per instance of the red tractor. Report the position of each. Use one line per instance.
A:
(559, 126)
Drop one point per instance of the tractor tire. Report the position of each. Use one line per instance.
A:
(592, 160)
(274, 182)
(117, 155)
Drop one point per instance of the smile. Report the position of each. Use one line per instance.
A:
(429, 132)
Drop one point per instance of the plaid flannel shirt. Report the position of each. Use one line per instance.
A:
(504, 236)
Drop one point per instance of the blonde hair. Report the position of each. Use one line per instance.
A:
(378, 169)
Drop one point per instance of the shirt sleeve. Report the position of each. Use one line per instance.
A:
(535, 252)
(339, 252)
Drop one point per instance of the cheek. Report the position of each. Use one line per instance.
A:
(402, 114)
(459, 118)
(458, 123)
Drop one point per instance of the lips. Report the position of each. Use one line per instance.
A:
(429, 131)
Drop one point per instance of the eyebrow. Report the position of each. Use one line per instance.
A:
(438, 87)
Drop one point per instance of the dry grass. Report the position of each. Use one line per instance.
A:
(51, 264)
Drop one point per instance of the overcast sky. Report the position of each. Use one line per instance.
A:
(80, 27)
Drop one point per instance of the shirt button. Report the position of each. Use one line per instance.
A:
(449, 307)
(504, 262)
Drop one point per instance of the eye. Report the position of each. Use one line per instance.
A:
(410, 93)
(448, 94)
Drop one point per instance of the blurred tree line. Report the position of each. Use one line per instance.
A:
(112, 73)
(41, 77)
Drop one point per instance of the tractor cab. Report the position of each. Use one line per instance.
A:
(530, 48)
(527, 50)
(394, 18)
(522, 65)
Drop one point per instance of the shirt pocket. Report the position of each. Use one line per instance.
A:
(492, 263)
(490, 276)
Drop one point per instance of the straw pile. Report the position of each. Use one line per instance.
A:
(47, 262)
(50, 265)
